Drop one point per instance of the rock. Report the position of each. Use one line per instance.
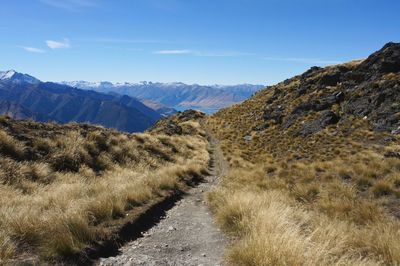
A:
(396, 131)
(392, 154)
(275, 114)
(330, 79)
(191, 115)
(247, 138)
(301, 90)
(171, 228)
(172, 128)
(326, 118)
(323, 103)
(261, 127)
(385, 60)
(311, 72)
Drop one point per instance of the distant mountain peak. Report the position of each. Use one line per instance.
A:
(7, 74)
(208, 98)
(15, 76)
(23, 96)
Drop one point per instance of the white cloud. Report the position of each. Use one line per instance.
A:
(118, 40)
(202, 53)
(58, 44)
(32, 49)
(167, 52)
(222, 54)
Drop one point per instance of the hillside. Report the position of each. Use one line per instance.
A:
(177, 95)
(22, 96)
(315, 168)
(67, 188)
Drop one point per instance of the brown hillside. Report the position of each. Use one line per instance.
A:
(63, 186)
(315, 163)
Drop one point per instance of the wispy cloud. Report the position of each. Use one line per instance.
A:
(202, 53)
(64, 44)
(222, 54)
(199, 53)
(173, 52)
(304, 60)
(122, 40)
(32, 49)
(70, 5)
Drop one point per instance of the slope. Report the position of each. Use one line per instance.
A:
(315, 163)
(68, 188)
(61, 103)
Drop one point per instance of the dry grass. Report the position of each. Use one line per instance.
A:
(276, 223)
(60, 185)
(332, 209)
(328, 198)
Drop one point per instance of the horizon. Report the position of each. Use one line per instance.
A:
(208, 43)
(131, 83)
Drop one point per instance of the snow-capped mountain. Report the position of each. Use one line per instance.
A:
(23, 96)
(176, 94)
(14, 76)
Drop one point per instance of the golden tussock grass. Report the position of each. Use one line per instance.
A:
(330, 198)
(59, 187)
(273, 226)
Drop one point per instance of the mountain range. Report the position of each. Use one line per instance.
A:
(23, 96)
(178, 95)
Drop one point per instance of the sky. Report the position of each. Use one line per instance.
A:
(191, 41)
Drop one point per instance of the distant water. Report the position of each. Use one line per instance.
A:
(205, 110)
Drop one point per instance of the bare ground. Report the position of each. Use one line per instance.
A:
(186, 235)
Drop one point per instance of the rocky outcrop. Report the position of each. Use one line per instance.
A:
(386, 60)
(325, 119)
(173, 125)
(369, 89)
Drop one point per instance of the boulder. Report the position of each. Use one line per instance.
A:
(325, 119)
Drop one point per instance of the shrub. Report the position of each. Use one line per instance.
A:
(10, 147)
(382, 188)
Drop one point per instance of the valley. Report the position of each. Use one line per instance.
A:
(304, 172)
(24, 97)
(199, 133)
(178, 95)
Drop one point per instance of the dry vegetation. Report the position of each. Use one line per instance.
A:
(61, 185)
(328, 198)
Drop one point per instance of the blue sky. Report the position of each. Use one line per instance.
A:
(193, 41)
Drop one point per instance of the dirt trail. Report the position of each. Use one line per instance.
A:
(186, 235)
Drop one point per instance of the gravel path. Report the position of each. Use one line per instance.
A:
(187, 234)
